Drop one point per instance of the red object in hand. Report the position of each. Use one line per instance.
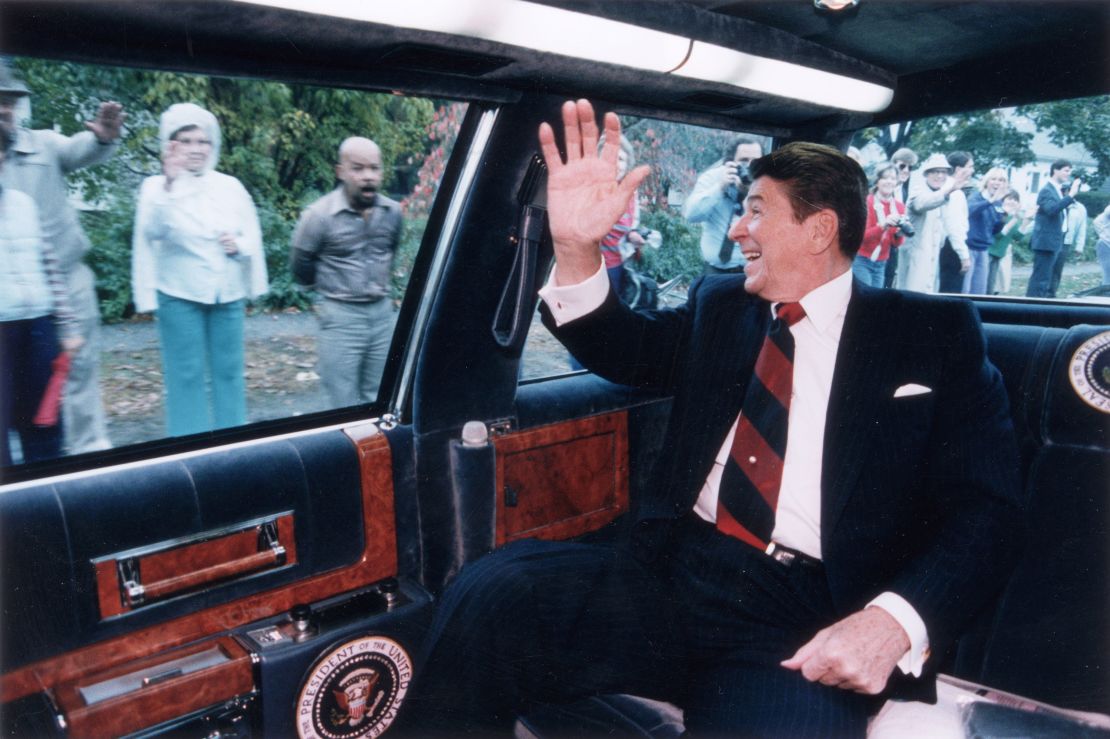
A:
(47, 414)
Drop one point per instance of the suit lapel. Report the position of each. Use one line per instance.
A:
(861, 365)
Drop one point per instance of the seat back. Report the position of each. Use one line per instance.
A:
(1048, 636)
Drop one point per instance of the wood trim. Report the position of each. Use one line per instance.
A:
(175, 569)
(568, 478)
(378, 561)
(153, 704)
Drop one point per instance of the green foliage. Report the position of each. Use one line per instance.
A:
(280, 140)
(406, 254)
(110, 260)
(276, 234)
(1094, 202)
(992, 140)
(676, 154)
(995, 140)
(1083, 121)
(1023, 254)
(679, 253)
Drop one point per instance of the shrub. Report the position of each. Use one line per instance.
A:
(679, 253)
(277, 231)
(1094, 202)
(411, 235)
(110, 259)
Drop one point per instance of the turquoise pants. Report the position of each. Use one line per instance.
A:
(202, 356)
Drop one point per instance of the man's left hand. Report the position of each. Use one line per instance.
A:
(857, 653)
(108, 122)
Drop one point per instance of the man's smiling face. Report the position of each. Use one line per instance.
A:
(782, 266)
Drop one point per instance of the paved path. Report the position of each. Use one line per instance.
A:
(142, 333)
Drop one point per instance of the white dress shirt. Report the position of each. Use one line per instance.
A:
(798, 514)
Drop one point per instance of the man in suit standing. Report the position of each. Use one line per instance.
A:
(1049, 225)
(835, 503)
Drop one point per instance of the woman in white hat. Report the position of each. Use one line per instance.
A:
(934, 217)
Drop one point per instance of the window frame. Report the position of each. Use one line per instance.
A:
(394, 401)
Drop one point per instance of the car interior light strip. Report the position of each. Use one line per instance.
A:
(569, 33)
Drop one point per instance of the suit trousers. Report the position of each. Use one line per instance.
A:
(949, 278)
(1047, 268)
(704, 626)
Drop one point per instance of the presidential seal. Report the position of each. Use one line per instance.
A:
(354, 690)
(1089, 371)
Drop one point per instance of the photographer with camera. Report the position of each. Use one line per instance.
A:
(887, 227)
(718, 200)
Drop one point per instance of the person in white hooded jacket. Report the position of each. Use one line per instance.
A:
(196, 259)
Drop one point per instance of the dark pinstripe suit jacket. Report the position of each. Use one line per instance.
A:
(920, 494)
(1048, 225)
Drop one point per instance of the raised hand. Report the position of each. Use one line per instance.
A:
(962, 175)
(173, 161)
(108, 122)
(584, 199)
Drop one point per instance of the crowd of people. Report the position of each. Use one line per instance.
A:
(197, 258)
(931, 228)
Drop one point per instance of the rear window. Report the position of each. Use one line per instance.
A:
(1015, 206)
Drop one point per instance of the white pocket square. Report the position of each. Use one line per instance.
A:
(912, 389)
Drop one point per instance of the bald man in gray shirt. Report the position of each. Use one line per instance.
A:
(343, 247)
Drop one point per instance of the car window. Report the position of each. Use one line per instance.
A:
(673, 230)
(216, 252)
(998, 202)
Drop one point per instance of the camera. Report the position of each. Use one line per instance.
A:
(744, 172)
(737, 193)
(905, 228)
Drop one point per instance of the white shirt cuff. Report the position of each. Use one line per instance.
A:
(568, 302)
(907, 617)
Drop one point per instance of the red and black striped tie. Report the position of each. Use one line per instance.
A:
(753, 471)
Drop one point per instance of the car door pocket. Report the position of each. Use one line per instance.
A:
(562, 480)
(140, 577)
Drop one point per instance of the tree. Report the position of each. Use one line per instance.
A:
(1084, 121)
(676, 154)
(989, 135)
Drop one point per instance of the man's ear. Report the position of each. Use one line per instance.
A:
(338, 175)
(824, 229)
